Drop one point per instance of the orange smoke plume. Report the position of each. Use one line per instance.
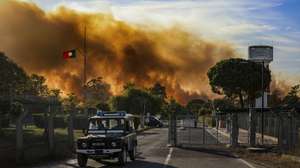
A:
(117, 51)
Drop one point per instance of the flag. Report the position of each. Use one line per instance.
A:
(69, 54)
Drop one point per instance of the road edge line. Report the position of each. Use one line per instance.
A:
(168, 158)
(247, 163)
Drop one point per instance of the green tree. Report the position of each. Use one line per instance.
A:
(158, 90)
(36, 86)
(70, 101)
(103, 106)
(238, 77)
(135, 100)
(119, 103)
(222, 104)
(276, 98)
(98, 92)
(13, 80)
(159, 95)
(292, 99)
(197, 107)
(179, 109)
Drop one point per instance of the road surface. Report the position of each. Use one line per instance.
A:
(154, 153)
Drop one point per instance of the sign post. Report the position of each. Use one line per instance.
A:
(264, 55)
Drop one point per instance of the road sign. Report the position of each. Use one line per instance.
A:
(261, 53)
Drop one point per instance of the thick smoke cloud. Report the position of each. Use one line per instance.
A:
(117, 51)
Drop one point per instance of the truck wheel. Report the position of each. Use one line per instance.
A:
(82, 160)
(132, 154)
(123, 157)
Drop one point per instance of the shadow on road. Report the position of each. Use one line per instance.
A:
(148, 133)
(135, 164)
(214, 151)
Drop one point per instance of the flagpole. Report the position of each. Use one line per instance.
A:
(84, 70)
(84, 55)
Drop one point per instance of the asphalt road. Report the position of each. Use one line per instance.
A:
(154, 153)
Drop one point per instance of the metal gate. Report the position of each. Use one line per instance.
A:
(199, 132)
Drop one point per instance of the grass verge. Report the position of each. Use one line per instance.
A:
(266, 159)
(35, 146)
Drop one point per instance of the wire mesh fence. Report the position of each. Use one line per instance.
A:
(42, 129)
(280, 129)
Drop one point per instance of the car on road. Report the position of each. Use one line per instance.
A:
(109, 135)
(153, 121)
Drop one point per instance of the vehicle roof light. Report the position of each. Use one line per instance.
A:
(108, 113)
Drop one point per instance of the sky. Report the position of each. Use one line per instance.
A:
(239, 22)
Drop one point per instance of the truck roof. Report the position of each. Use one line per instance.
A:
(112, 114)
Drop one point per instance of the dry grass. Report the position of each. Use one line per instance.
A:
(268, 160)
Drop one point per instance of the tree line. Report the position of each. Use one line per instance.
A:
(237, 80)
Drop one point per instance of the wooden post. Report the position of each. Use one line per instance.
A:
(281, 134)
(19, 136)
(203, 132)
(51, 128)
(71, 128)
(252, 127)
(234, 130)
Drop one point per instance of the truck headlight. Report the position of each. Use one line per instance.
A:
(84, 145)
(113, 144)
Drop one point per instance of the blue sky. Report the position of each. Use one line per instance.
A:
(240, 22)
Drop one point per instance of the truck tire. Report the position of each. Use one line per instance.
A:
(132, 154)
(82, 160)
(123, 157)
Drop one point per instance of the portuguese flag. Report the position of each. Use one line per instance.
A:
(69, 54)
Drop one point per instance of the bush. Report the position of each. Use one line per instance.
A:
(4, 122)
(59, 122)
(39, 121)
(80, 122)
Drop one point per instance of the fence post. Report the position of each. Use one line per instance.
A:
(172, 129)
(293, 131)
(281, 137)
(203, 132)
(51, 128)
(19, 135)
(252, 127)
(234, 130)
(218, 130)
(71, 128)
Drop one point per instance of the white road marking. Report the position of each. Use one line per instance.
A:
(246, 163)
(168, 157)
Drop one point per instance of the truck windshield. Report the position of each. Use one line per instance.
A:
(107, 124)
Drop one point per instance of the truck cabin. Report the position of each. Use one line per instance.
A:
(111, 123)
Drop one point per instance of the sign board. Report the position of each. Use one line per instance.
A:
(261, 53)
(258, 101)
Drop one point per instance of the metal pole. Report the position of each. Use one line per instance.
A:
(84, 71)
(203, 120)
(262, 103)
(143, 114)
(84, 56)
(218, 130)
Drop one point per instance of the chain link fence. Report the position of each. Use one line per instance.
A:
(280, 129)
